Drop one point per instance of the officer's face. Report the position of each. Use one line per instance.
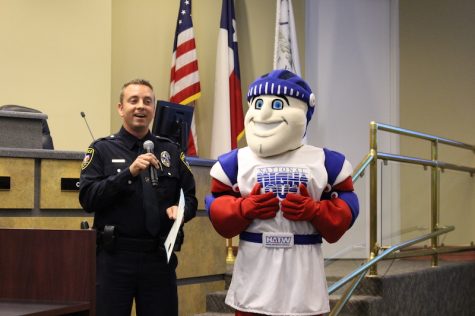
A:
(275, 124)
(137, 109)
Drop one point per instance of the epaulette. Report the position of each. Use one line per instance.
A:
(110, 137)
(166, 139)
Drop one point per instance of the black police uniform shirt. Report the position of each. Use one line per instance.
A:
(108, 189)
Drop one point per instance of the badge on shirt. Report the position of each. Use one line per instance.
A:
(165, 158)
(87, 158)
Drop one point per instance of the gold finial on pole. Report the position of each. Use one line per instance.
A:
(230, 255)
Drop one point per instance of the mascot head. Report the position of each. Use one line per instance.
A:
(280, 106)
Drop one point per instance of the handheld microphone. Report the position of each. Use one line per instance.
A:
(148, 146)
(84, 117)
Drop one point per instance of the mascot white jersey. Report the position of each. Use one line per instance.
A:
(281, 197)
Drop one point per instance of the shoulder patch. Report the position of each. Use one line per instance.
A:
(87, 158)
(166, 139)
(101, 139)
(183, 159)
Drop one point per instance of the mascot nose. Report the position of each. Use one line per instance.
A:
(265, 112)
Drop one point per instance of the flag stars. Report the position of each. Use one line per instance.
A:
(234, 31)
(183, 12)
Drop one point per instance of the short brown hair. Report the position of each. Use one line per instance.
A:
(137, 81)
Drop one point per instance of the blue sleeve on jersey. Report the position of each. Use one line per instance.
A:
(209, 199)
(333, 164)
(352, 200)
(229, 163)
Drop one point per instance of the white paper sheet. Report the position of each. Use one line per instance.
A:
(171, 238)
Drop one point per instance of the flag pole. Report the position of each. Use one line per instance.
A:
(230, 258)
(228, 117)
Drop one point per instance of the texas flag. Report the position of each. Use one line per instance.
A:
(228, 118)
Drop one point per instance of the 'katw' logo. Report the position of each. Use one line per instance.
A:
(278, 240)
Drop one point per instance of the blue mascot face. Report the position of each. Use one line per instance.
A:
(280, 107)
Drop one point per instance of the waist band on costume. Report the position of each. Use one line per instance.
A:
(298, 239)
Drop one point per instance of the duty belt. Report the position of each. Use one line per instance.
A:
(297, 239)
(111, 242)
(138, 245)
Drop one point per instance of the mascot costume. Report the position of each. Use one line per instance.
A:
(281, 197)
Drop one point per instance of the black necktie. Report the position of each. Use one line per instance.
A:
(150, 201)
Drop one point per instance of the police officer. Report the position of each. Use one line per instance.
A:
(132, 217)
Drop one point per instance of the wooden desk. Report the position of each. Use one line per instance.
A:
(47, 272)
(17, 308)
(202, 257)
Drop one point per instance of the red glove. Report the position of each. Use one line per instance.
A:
(300, 207)
(262, 206)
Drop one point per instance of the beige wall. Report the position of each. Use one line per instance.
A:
(142, 43)
(63, 57)
(55, 56)
(437, 94)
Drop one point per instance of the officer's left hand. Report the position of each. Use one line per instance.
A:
(172, 212)
(300, 207)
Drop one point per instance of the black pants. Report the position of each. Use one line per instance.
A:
(147, 277)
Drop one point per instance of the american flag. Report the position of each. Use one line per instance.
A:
(184, 78)
(228, 118)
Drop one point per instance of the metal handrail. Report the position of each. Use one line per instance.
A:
(359, 170)
(436, 166)
(407, 132)
(430, 251)
(335, 286)
(425, 162)
(359, 273)
(347, 294)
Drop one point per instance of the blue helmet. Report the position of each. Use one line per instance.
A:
(283, 83)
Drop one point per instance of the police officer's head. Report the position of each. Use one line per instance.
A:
(137, 106)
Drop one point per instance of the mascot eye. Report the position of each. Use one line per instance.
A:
(259, 103)
(277, 104)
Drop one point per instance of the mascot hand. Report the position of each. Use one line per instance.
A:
(262, 206)
(300, 207)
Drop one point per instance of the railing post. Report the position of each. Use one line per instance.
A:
(435, 200)
(373, 199)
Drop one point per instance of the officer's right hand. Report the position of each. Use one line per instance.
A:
(142, 162)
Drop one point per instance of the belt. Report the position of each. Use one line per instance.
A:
(138, 245)
(113, 242)
(298, 239)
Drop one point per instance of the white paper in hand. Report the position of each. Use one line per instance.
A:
(171, 238)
